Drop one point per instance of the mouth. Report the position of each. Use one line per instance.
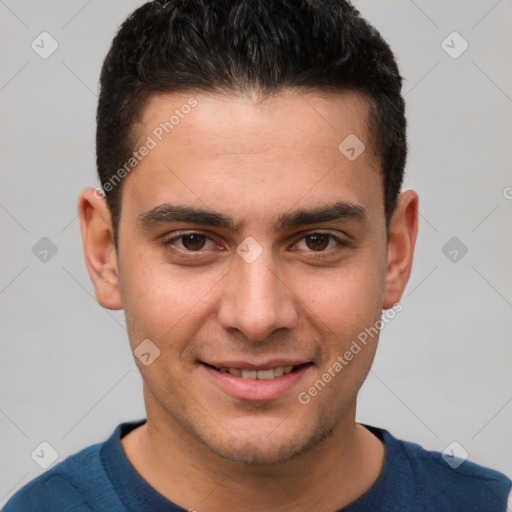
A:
(258, 374)
(248, 381)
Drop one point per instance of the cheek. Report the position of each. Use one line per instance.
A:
(162, 302)
(345, 299)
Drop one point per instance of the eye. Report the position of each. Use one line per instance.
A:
(319, 242)
(192, 242)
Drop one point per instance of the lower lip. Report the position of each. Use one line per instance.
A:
(255, 389)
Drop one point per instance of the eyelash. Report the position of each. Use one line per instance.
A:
(341, 244)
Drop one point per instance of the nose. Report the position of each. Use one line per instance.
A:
(256, 300)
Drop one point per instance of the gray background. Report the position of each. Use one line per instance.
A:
(442, 371)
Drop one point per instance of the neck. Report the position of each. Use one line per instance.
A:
(329, 476)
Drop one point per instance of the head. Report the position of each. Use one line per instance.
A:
(251, 156)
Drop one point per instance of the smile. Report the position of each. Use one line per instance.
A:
(269, 374)
(247, 381)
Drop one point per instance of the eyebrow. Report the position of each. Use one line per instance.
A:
(167, 213)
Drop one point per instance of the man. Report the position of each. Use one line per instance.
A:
(251, 156)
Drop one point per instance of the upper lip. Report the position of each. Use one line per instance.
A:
(264, 365)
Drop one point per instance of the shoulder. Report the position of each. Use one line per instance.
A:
(63, 487)
(443, 478)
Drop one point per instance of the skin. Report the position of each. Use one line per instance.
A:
(252, 159)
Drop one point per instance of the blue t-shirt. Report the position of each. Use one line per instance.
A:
(100, 478)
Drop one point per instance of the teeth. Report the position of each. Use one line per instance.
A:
(249, 374)
(258, 374)
(279, 371)
(266, 374)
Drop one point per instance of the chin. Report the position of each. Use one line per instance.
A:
(264, 448)
(260, 454)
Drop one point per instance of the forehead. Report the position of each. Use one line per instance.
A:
(244, 154)
(252, 122)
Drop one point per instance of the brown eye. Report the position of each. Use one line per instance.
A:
(193, 242)
(317, 241)
(189, 244)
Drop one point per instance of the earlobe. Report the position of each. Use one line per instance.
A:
(402, 240)
(98, 246)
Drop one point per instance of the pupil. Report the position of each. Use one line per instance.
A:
(193, 242)
(319, 241)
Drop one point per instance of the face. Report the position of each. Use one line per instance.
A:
(252, 253)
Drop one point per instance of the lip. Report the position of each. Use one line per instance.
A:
(255, 389)
(267, 365)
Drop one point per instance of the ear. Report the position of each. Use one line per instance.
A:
(98, 245)
(402, 239)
